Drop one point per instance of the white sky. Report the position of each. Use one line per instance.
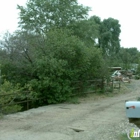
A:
(126, 11)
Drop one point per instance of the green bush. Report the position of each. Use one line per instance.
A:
(137, 77)
(8, 94)
(53, 82)
(54, 62)
(124, 137)
(67, 60)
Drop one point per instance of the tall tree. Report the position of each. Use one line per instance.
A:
(87, 30)
(109, 36)
(134, 53)
(128, 57)
(40, 15)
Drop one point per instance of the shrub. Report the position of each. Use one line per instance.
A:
(53, 80)
(8, 94)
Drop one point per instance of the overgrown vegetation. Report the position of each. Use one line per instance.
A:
(124, 137)
(8, 95)
(58, 44)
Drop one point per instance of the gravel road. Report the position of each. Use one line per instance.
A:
(92, 119)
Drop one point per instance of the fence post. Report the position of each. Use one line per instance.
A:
(0, 110)
(112, 85)
(102, 84)
(119, 84)
(27, 101)
(0, 77)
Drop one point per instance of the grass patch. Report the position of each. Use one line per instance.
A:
(1, 116)
(73, 100)
(124, 137)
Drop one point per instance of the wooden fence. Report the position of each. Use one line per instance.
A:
(14, 100)
(97, 84)
(89, 86)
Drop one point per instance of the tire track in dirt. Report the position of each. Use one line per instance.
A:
(97, 118)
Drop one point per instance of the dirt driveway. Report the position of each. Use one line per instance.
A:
(92, 119)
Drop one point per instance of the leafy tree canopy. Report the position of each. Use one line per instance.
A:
(108, 38)
(40, 15)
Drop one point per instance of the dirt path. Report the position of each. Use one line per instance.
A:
(100, 119)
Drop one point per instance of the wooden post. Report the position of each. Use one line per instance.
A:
(119, 84)
(27, 101)
(0, 110)
(112, 85)
(102, 85)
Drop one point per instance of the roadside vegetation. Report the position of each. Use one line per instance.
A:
(124, 137)
(57, 45)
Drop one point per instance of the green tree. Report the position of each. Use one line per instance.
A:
(16, 61)
(57, 59)
(128, 57)
(87, 30)
(41, 15)
(11, 93)
(134, 53)
(109, 40)
(125, 57)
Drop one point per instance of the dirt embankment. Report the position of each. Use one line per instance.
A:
(92, 119)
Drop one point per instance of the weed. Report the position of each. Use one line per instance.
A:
(124, 137)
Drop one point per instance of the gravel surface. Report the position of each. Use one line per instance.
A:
(92, 119)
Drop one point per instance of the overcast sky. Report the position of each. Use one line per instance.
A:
(126, 11)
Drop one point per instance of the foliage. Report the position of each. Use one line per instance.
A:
(51, 82)
(109, 31)
(128, 56)
(134, 54)
(67, 60)
(58, 45)
(87, 30)
(124, 137)
(9, 94)
(109, 39)
(73, 100)
(138, 69)
(40, 16)
(137, 77)
(15, 61)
